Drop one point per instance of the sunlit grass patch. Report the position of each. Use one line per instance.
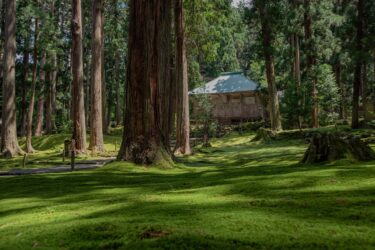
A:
(49, 150)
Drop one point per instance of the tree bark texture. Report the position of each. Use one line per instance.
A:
(9, 143)
(267, 35)
(183, 119)
(144, 137)
(96, 139)
(79, 123)
(105, 121)
(2, 24)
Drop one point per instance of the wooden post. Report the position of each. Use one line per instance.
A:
(67, 147)
(24, 160)
(73, 154)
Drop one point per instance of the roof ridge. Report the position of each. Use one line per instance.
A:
(229, 83)
(231, 73)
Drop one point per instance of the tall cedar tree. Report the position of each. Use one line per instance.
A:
(30, 113)
(51, 95)
(25, 76)
(51, 79)
(268, 40)
(78, 106)
(310, 64)
(96, 140)
(40, 105)
(9, 143)
(183, 120)
(359, 64)
(295, 43)
(105, 121)
(144, 139)
(118, 112)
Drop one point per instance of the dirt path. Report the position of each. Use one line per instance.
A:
(85, 165)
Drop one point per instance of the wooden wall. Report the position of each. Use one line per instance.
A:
(233, 107)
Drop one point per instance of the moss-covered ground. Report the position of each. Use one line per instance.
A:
(236, 195)
(49, 150)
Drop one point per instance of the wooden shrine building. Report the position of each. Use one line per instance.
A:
(234, 98)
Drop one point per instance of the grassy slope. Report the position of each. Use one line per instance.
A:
(236, 195)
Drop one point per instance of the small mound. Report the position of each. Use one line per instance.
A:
(265, 135)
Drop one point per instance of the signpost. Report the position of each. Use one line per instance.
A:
(73, 154)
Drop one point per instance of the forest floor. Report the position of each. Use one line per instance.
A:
(49, 150)
(236, 195)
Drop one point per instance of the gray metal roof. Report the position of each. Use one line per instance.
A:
(227, 83)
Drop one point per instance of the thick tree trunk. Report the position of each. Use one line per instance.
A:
(168, 86)
(9, 143)
(2, 23)
(96, 140)
(144, 137)
(25, 76)
(311, 63)
(358, 67)
(267, 35)
(78, 100)
(183, 119)
(30, 113)
(40, 107)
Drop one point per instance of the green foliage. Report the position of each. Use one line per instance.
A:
(215, 36)
(328, 95)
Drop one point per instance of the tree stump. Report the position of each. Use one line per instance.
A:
(265, 135)
(328, 147)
